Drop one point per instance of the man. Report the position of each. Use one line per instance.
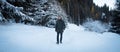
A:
(59, 28)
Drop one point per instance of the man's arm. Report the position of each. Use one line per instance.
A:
(64, 26)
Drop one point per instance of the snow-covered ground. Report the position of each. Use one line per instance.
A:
(26, 38)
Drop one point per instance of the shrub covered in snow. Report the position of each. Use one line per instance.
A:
(96, 26)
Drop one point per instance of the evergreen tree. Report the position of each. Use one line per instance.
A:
(34, 12)
(116, 18)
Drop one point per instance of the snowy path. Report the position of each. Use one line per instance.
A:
(24, 38)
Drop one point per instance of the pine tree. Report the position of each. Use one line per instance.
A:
(116, 19)
(34, 12)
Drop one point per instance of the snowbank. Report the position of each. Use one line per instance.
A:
(75, 27)
(96, 26)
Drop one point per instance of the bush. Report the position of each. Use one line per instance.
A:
(96, 26)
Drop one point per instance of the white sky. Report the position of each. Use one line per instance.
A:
(109, 3)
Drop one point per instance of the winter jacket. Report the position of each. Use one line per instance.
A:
(60, 26)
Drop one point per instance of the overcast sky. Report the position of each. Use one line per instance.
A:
(109, 3)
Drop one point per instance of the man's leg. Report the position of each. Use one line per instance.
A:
(57, 37)
(61, 37)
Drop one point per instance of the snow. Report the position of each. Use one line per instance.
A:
(96, 26)
(26, 38)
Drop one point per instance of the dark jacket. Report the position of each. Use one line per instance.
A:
(60, 26)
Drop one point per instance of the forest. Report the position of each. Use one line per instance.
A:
(45, 12)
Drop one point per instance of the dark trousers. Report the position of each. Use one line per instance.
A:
(59, 34)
